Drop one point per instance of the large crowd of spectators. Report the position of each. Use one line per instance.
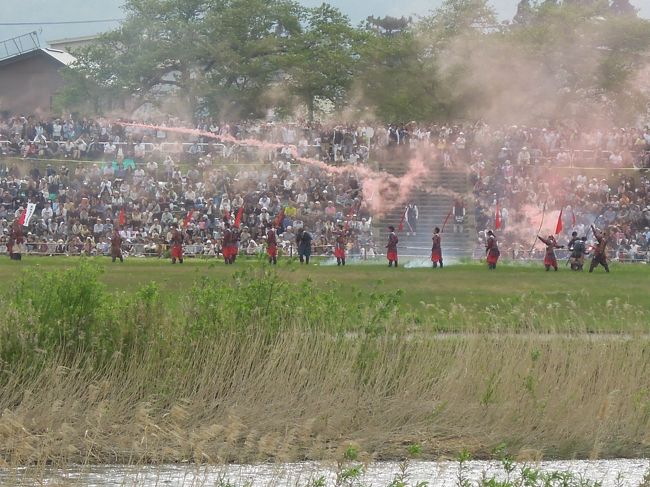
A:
(79, 204)
(527, 194)
(158, 177)
(561, 145)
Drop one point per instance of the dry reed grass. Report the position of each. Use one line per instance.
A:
(249, 397)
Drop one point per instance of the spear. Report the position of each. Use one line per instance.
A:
(530, 252)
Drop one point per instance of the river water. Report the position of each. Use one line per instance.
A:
(614, 473)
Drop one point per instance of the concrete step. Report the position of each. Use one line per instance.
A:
(433, 209)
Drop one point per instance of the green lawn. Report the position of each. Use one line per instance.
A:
(459, 297)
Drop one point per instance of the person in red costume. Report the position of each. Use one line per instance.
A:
(391, 247)
(116, 246)
(272, 244)
(550, 260)
(229, 244)
(176, 245)
(492, 252)
(436, 248)
(339, 246)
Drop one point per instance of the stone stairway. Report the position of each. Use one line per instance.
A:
(433, 209)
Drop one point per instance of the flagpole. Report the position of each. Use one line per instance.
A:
(446, 219)
(530, 252)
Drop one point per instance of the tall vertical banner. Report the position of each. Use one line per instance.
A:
(27, 214)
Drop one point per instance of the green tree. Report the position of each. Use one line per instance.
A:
(396, 80)
(244, 56)
(323, 59)
(213, 55)
(460, 17)
(149, 54)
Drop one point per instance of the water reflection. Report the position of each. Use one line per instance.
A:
(619, 473)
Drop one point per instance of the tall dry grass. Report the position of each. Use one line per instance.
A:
(307, 395)
(258, 369)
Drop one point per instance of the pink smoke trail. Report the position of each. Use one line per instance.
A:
(388, 191)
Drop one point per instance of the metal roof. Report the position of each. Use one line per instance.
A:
(62, 57)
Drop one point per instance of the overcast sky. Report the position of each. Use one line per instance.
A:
(82, 10)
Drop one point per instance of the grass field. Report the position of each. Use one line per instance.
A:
(217, 363)
(459, 297)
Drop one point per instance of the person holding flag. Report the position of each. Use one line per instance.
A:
(236, 234)
(116, 246)
(436, 248)
(391, 247)
(16, 242)
(339, 245)
(492, 251)
(176, 244)
(272, 244)
(550, 260)
(228, 244)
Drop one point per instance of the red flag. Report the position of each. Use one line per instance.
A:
(188, 217)
(573, 218)
(559, 226)
(122, 218)
(278, 219)
(21, 218)
(400, 227)
(497, 218)
(238, 218)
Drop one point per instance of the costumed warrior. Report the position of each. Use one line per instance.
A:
(236, 238)
(272, 244)
(391, 246)
(339, 246)
(303, 242)
(550, 260)
(16, 241)
(600, 256)
(116, 246)
(176, 245)
(578, 251)
(492, 252)
(229, 244)
(436, 248)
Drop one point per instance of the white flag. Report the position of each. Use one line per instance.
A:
(28, 213)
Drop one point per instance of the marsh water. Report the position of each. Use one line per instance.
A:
(614, 473)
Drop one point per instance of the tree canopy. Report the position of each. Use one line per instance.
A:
(234, 59)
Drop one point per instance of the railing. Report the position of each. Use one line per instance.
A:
(196, 148)
(49, 249)
(19, 45)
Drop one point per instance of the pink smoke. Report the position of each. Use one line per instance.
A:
(382, 191)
